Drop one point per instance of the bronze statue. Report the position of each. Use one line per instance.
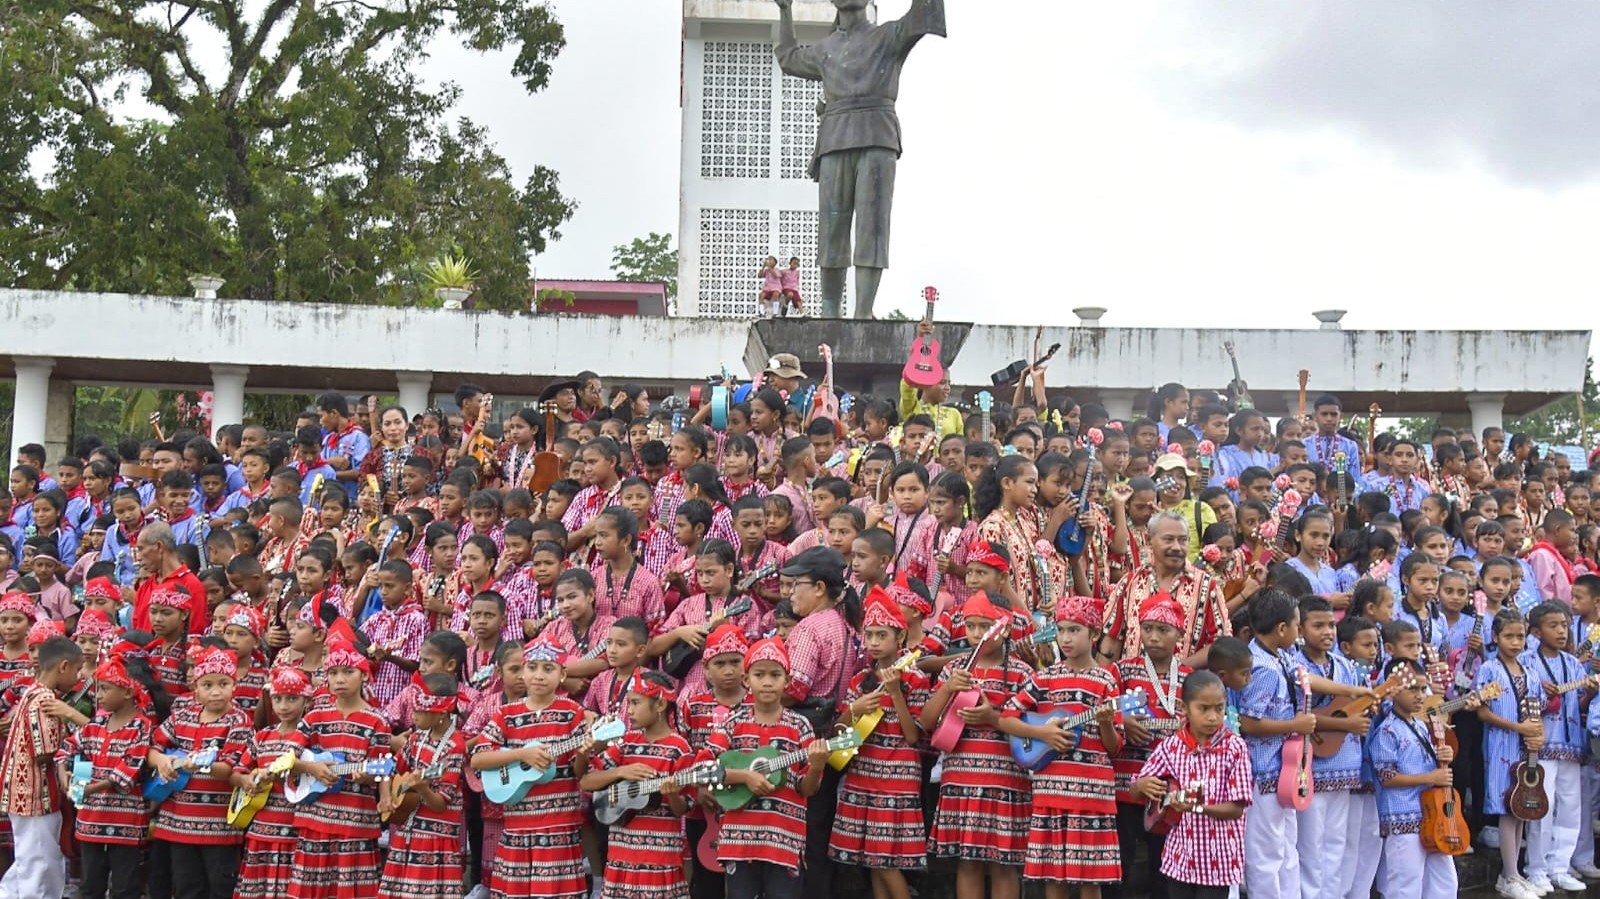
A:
(858, 140)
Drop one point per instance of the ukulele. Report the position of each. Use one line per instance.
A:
(868, 722)
(1373, 411)
(947, 732)
(1036, 755)
(1526, 798)
(825, 403)
(923, 368)
(618, 803)
(546, 462)
(985, 401)
(1325, 744)
(1294, 780)
(1073, 536)
(769, 762)
(1304, 377)
(1238, 388)
(936, 580)
(1160, 815)
(1444, 830)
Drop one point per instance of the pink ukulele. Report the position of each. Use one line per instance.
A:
(947, 733)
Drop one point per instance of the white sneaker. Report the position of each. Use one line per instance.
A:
(1490, 837)
(1540, 885)
(1513, 888)
(1563, 880)
(1586, 871)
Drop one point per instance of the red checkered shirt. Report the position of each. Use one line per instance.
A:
(589, 502)
(656, 547)
(737, 492)
(700, 609)
(771, 551)
(799, 497)
(668, 494)
(824, 653)
(587, 645)
(117, 815)
(1201, 850)
(635, 592)
(401, 631)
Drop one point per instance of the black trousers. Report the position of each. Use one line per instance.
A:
(817, 880)
(762, 880)
(204, 872)
(1130, 832)
(1179, 890)
(111, 865)
(706, 883)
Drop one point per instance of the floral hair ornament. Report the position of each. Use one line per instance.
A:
(287, 681)
(1212, 554)
(770, 649)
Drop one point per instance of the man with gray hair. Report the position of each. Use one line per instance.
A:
(160, 569)
(1167, 571)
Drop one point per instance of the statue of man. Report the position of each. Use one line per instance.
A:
(858, 140)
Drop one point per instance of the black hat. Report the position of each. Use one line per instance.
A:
(549, 393)
(819, 563)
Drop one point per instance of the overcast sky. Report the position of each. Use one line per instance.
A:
(1191, 163)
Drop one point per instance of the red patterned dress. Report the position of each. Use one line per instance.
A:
(1019, 534)
(879, 823)
(337, 855)
(118, 815)
(249, 687)
(270, 841)
(425, 857)
(771, 829)
(1163, 694)
(1072, 833)
(14, 673)
(644, 859)
(539, 852)
(198, 813)
(983, 795)
(167, 664)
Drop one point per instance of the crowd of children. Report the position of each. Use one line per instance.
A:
(610, 650)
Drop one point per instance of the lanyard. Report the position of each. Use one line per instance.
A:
(627, 583)
(906, 541)
(1550, 675)
(1167, 698)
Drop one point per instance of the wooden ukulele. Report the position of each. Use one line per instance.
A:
(1328, 743)
(1238, 388)
(1444, 830)
(1526, 798)
(546, 462)
(1304, 377)
(1373, 411)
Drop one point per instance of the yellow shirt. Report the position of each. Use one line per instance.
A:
(947, 420)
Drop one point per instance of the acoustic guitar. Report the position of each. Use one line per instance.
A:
(1237, 388)
(923, 368)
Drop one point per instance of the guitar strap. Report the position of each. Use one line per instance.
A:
(1424, 741)
(1551, 677)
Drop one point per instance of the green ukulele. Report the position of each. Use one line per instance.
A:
(768, 761)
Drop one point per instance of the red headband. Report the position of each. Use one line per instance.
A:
(1084, 610)
(94, 622)
(982, 553)
(342, 654)
(1161, 608)
(207, 660)
(649, 689)
(44, 629)
(880, 610)
(727, 639)
(287, 681)
(113, 672)
(770, 649)
(979, 605)
(18, 602)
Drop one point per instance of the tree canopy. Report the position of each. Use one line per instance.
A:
(288, 146)
(649, 258)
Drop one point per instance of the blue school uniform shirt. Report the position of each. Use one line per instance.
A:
(1431, 624)
(1527, 591)
(1564, 738)
(1321, 450)
(354, 445)
(118, 548)
(1456, 635)
(1268, 696)
(235, 477)
(1399, 499)
(66, 545)
(22, 517)
(1502, 748)
(1342, 770)
(1324, 581)
(1231, 461)
(329, 477)
(1400, 747)
(147, 495)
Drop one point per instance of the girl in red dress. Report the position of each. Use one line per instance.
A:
(1072, 834)
(644, 858)
(337, 857)
(539, 853)
(270, 841)
(879, 824)
(982, 819)
(425, 851)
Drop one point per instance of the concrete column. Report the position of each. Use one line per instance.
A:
(1488, 411)
(1119, 403)
(227, 395)
(33, 402)
(60, 404)
(416, 388)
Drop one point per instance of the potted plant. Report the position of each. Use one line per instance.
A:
(451, 279)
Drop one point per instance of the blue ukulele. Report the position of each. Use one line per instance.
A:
(1034, 755)
(511, 783)
(305, 788)
(159, 789)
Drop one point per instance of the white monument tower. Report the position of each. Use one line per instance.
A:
(748, 132)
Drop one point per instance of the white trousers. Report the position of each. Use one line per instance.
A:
(1553, 838)
(1410, 873)
(40, 870)
(1584, 854)
(1323, 831)
(1362, 849)
(1271, 850)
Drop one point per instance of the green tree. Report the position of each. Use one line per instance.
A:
(649, 258)
(289, 146)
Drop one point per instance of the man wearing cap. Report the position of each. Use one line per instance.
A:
(160, 571)
(1176, 499)
(1197, 593)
